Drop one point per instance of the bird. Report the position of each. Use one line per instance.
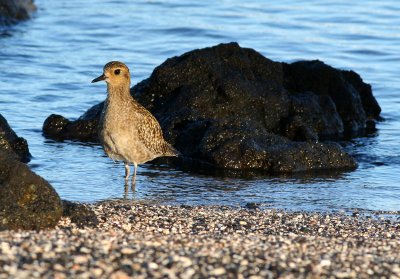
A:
(128, 132)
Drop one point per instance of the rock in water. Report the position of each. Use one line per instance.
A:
(351, 97)
(15, 10)
(10, 142)
(27, 201)
(83, 129)
(232, 108)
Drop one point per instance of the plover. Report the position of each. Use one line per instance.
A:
(128, 131)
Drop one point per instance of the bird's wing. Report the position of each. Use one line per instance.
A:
(150, 133)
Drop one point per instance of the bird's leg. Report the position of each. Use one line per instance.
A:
(127, 171)
(134, 176)
(126, 192)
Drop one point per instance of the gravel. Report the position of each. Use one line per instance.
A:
(139, 240)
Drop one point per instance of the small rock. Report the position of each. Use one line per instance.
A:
(119, 275)
(80, 259)
(127, 251)
(218, 271)
(153, 265)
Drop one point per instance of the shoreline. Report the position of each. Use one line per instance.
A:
(133, 239)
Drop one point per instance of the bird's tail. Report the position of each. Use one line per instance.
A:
(171, 151)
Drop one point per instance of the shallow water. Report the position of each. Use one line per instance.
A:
(48, 62)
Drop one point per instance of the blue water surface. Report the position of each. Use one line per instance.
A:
(47, 64)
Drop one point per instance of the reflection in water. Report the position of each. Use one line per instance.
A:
(49, 62)
(170, 186)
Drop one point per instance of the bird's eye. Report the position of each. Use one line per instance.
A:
(117, 71)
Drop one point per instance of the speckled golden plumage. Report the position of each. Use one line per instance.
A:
(128, 131)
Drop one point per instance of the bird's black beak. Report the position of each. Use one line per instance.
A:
(102, 77)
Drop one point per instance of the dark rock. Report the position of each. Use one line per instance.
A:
(27, 201)
(351, 97)
(15, 10)
(252, 206)
(232, 108)
(228, 106)
(311, 117)
(80, 214)
(83, 129)
(10, 142)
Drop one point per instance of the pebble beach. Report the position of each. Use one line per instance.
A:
(123, 239)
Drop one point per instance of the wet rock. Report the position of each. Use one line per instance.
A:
(229, 106)
(232, 108)
(27, 201)
(351, 97)
(10, 142)
(79, 214)
(83, 129)
(252, 205)
(15, 10)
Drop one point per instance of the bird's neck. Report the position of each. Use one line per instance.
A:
(120, 92)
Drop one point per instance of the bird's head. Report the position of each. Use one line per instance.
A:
(115, 73)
